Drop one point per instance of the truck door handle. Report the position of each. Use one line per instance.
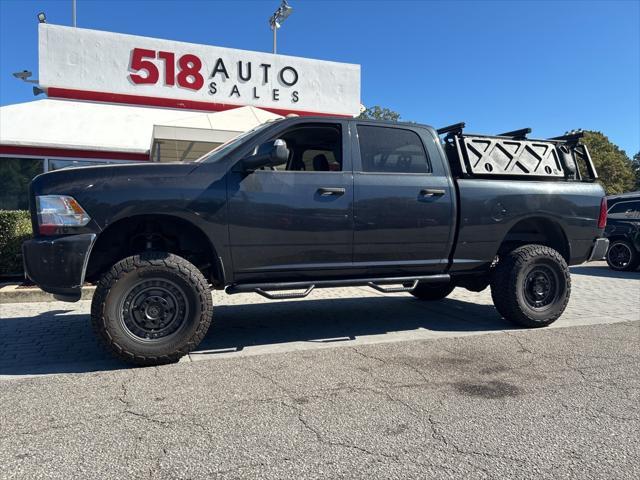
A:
(326, 191)
(429, 192)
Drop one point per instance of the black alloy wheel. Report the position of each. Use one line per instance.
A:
(153, 309)
(541, 287)
(621, 256)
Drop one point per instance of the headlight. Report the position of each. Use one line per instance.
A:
(58, 211)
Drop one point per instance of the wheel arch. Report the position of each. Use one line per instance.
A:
(537, 230)
(144, 232)
(622, 237)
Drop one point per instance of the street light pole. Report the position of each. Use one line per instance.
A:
(279, 16)
(73, 13)
(275, 31)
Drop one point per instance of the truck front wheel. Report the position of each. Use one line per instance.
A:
(152, 309)
(531, 286)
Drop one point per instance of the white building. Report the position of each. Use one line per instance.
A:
(124, 98)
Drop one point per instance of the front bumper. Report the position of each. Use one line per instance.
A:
(58, 265)
(599, 250)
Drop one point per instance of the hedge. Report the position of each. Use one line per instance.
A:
(15, 228)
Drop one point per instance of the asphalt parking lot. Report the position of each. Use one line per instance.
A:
(346, 384)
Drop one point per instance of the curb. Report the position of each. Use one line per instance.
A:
(13, 294)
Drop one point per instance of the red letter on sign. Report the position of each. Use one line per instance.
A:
(138, 63)
(189, 75)
(169, 67)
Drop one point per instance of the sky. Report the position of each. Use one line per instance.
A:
(497, 65)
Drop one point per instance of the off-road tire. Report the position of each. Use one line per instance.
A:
(432, 291)
(116, 286)
(510, 279)
(634, 256)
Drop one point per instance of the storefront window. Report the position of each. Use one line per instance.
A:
(15, 175)
(60, 164)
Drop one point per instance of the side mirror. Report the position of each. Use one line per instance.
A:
(269, 154)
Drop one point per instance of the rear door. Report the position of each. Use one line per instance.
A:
(403, 205)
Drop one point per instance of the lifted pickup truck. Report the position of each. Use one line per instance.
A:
(304, 203)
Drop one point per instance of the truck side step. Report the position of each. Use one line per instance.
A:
(268, 290)
(283, 296)
(403, 288)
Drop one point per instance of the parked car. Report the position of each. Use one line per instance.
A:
(623, 231)
(306, 203)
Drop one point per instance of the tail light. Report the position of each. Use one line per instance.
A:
(602, 219)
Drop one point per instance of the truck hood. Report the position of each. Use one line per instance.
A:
(68, 180)
(111, 192)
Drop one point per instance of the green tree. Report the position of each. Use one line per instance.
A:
(614, 167)
(635, 165)
(379, 113)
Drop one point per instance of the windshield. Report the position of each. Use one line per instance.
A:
(222, 150)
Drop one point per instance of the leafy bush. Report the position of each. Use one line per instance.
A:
(15, 228)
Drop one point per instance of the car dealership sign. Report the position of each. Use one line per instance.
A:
(104, 66)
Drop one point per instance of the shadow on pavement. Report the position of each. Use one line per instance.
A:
(237, 326)
(604, 271)
(51, 342)
(58, 342)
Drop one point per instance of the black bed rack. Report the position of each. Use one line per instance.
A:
(515, 155)
(520, 134)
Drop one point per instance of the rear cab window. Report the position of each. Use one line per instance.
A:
(392, 150)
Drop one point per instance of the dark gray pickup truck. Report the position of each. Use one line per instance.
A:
(304, 203)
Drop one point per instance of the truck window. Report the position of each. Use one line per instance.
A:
(391, 150)
(314, 148)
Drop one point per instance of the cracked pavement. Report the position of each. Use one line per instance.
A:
(484, 403)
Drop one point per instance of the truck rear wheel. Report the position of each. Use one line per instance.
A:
(531, 286)
(152, 309)
(426, 291)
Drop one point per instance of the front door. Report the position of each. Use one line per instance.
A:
(403, 206)
(297, 217)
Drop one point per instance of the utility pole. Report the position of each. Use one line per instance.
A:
(73, 13)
